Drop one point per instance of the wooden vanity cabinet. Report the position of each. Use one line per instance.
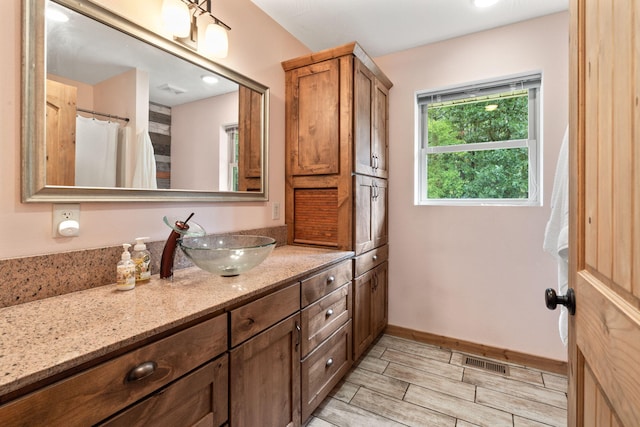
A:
(326, 314)
(336, 126)
(197, 399)
(128, 388)
(337, 169)
(264, 363)
(370, 299)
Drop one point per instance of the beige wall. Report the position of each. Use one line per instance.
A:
(200, 124)
(475, 273)
(256, 47)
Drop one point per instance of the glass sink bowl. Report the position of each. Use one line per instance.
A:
(227, 255)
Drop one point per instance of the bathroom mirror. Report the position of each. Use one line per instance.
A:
(114, 112)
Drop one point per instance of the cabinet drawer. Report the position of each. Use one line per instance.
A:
(324, 367)
(95, 394)
(323, 317)
(256, 316)
(197, 399)
(368, 260)
(325, 282)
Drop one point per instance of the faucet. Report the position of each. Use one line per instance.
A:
(169, 251)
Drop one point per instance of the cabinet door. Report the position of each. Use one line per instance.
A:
(369, 307)
(362, 314)
(379, 299)
(380, 136)
(370, 123)
(198, 399)
(265, 377)
(313, 119)
(249, 140)
(371, 222)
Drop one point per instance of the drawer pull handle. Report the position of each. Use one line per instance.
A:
(329, 312)
(141, 371)
(330, 280)
(329, 362)
(375, 257)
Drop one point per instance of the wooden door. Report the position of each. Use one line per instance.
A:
(264, 378)
(61, 133)
(604, 334)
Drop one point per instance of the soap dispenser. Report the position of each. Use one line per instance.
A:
(126, 270)
(141, 257)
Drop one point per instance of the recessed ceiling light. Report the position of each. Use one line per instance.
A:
(208, 79)
(484, 3)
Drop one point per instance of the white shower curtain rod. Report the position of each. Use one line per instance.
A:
(95, 113)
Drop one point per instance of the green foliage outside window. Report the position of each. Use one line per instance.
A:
(473, 173)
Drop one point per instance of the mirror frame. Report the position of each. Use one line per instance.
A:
(33, 165)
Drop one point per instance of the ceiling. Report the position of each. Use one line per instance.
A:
(386, 26)
(87, 51)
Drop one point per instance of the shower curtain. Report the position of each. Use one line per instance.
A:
(96, 152)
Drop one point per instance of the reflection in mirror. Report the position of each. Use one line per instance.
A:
(126, 118)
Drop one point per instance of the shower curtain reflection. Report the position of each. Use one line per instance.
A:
(96, 152)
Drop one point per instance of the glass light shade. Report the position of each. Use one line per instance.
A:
(176, 17)
(484, 3)
(216, 42)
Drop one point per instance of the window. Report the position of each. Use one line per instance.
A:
(232, 156)
(480, 144)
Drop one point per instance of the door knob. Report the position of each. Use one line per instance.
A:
(568, 300)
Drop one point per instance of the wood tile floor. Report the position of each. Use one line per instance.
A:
(405, 383)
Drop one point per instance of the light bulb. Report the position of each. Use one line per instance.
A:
(216, 42)
(484, 3)
(176, 17)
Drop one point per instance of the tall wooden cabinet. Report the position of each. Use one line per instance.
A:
(336, 193)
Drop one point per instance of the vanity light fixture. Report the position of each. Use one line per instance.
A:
(180, 17)
(176, 17)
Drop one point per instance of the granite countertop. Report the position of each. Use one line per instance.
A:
(46, 337)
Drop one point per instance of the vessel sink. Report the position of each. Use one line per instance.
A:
(227, 255)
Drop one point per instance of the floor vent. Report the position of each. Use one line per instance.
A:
(486, 365)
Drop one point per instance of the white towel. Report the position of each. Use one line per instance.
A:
(144, 169)
(556, 236)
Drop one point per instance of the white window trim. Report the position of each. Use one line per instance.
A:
(534, 145)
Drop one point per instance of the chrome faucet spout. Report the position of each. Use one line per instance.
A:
(169, 251)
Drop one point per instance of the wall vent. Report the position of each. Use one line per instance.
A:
(486, 365)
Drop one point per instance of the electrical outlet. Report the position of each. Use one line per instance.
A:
(65, 212)
(275, 210)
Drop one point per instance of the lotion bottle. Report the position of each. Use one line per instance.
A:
(141, 257)
(126, 270)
